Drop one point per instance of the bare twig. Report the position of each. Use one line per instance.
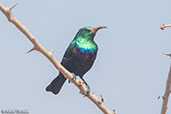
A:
(163, 26)
(167, 54)
(167, 90)
(49, 55)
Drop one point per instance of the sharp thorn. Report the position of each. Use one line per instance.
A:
(11, 7)
(30, 50)
(167, 54)
(52, 51)
(101, 97)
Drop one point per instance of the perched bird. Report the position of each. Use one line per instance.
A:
(78, 58)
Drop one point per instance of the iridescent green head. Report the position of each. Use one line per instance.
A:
(88, 32)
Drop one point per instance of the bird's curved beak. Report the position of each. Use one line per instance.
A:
(97, 28)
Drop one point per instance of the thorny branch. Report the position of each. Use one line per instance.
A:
(166, 94)
(168, 83)
(49, 55)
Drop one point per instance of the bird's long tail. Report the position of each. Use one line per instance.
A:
(56, 85)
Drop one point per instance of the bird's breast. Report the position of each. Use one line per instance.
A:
(84, 54)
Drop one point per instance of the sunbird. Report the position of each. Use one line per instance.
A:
(78, 58)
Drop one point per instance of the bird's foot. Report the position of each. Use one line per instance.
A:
(74, 77)
(87, 92)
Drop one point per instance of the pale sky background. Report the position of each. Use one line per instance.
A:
(129, 71)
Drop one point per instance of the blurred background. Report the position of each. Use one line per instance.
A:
(129, 71)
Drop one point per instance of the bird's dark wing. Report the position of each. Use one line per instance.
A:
(56, 85)
(68, 54)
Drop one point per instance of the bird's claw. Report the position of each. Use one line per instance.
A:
(74, 77)
(87, 92)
